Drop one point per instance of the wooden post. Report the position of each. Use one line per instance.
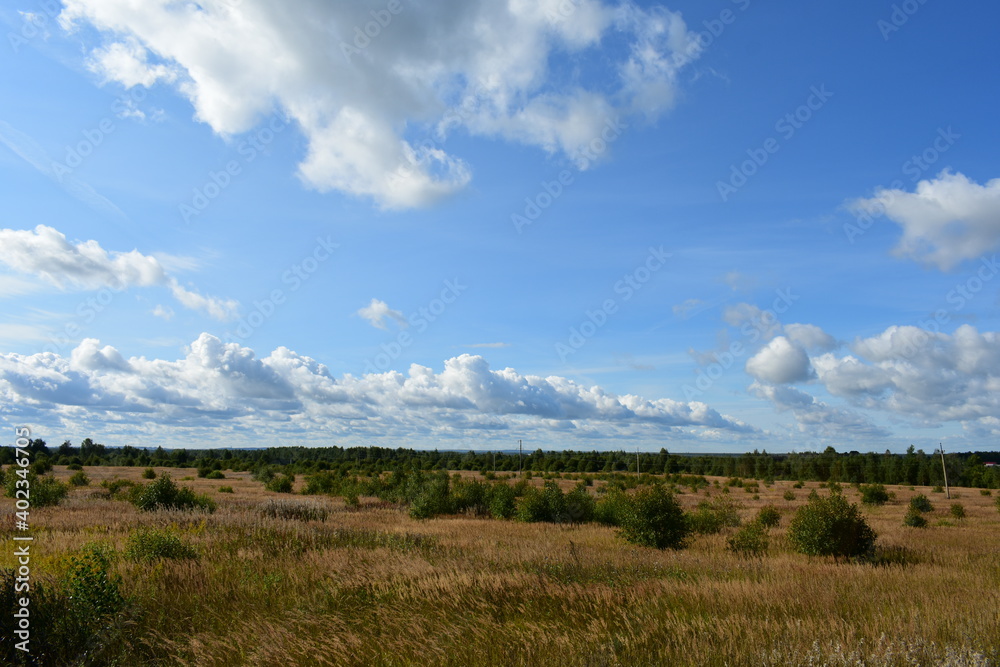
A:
(944, 470)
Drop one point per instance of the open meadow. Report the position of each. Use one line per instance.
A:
(326, 583)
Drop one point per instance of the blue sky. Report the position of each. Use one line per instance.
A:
(706, 226)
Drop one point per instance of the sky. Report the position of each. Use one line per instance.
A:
(709, 226)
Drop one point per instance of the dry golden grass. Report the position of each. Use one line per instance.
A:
(370, 586)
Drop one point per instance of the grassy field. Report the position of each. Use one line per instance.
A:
(371, 586)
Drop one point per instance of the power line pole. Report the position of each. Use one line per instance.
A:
(947, 490)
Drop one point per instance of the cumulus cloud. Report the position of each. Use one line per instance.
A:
(490, 69)
(217, 384)
(377, 312)
(47, 254)
(946, 220)
(810, 336)
(815, 417)
(780, 362)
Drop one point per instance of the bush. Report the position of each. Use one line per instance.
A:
(501, 501)
(798, 485)
(874, 494)
(985, 492)
(831, 526)
(789, 495)
(146, 546)
(750, 540)
(545, 504)
(215, 474)
(149, 473)
(938, 489)
(164, 494)
(433, 499)
(280, 483)
(225, 489)
(42, 491)
(580, 505)
(769, 516)
(654, 518)
(920, 503)
(710, 518)
(119, 488)
(914, 519)
(958, 510)
(79, 479)
(610, 509)
(74, 466)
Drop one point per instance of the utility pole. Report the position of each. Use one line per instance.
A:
(947, 490)
(519, 452)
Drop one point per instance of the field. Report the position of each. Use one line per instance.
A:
(368, 585)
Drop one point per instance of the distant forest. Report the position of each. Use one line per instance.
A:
(915, 467)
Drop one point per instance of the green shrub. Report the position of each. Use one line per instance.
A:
(711, 517)
(79, 479)
(433, 499)
(280, 483)
(611, 508)
(874, 494)
(938, 489)
(225, 489)
(74, 466)
(654, 518)
(43, 491)
(580, 505)
(789, 495)
(290, 509)
(149, 473)
(215, 474)
(118, 488)
(958, 510)
(835, 487)
(920, 503)
(145, 546)
(501, 501)
(164, 494)
(798, 485)
(985, 492)
(93, 588)
(831, 526)
(768, 516)
(914, 519)
(545, 504)
(750, 540)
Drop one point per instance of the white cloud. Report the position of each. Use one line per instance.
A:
(810, 336)
(684, 310)
(46, 253)
(815, 417)
(946, 220)
(489, 345)
(220, 384)
(363, 106)
(780, 362)
(165, 312)
(377, 312)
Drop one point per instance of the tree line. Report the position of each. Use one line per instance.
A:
(915, 467)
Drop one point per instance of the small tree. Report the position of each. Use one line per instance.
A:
(750, 540)
(654, 518)
(831, 526)
(914, 519)
(769, 516)
(920, 503)
(874, 494)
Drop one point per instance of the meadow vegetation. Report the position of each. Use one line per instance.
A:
(418, 567)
